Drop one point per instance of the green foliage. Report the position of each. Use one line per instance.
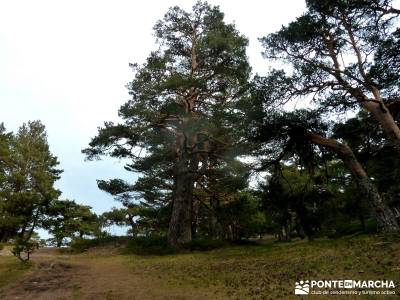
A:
(67, 219)
(315, 41)
(193, 113)
(28, 172)
(144, 245)
(79, 245)
(378, 157)
(141, 219)
(354, 227)
(177, 128)
(301, 202)
(149, 245)
(242, 217)
(23, 248)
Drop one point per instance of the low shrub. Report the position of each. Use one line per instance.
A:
(354, 227)
(149, 245)
(79, 245)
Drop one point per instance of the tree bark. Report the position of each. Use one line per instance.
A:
(214, 203)
(180, 226)
(375, 106)
(381, 113)
(304, 220)
(384, 216)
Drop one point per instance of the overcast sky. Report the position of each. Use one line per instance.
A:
(66, 63)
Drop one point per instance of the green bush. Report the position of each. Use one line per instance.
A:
(79, 245)
(22, 249)
(353, 227)
(150, 245)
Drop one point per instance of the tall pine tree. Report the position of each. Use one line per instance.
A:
(182, 113)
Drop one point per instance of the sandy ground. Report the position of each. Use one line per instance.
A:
(6, 251)
(56, 277)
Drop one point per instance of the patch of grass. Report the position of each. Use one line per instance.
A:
(11, 269)
(270, 271)
(203, 244)
(266, 271)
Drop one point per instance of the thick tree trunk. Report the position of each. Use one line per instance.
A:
(180, 226)
(186, 168)
(304, 221)
(286, 232)
(384, 216)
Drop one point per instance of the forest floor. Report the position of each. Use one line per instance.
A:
(266, 271)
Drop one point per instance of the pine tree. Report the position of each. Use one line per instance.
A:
(343, 55)
(27, 189)
(182, 113)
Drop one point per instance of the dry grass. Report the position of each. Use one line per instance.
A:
(11, 269)
(268, 271)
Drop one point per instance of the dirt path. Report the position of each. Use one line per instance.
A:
(56, 277)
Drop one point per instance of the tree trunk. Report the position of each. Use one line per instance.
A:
(134, 226)
(180, 226)
(195, 215)
(374, 106)
(303, 218)
(186, 167)
(381, 113)
(384, 216)
(286, 232)
(213, 221)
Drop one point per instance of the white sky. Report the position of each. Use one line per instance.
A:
(66, 63)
